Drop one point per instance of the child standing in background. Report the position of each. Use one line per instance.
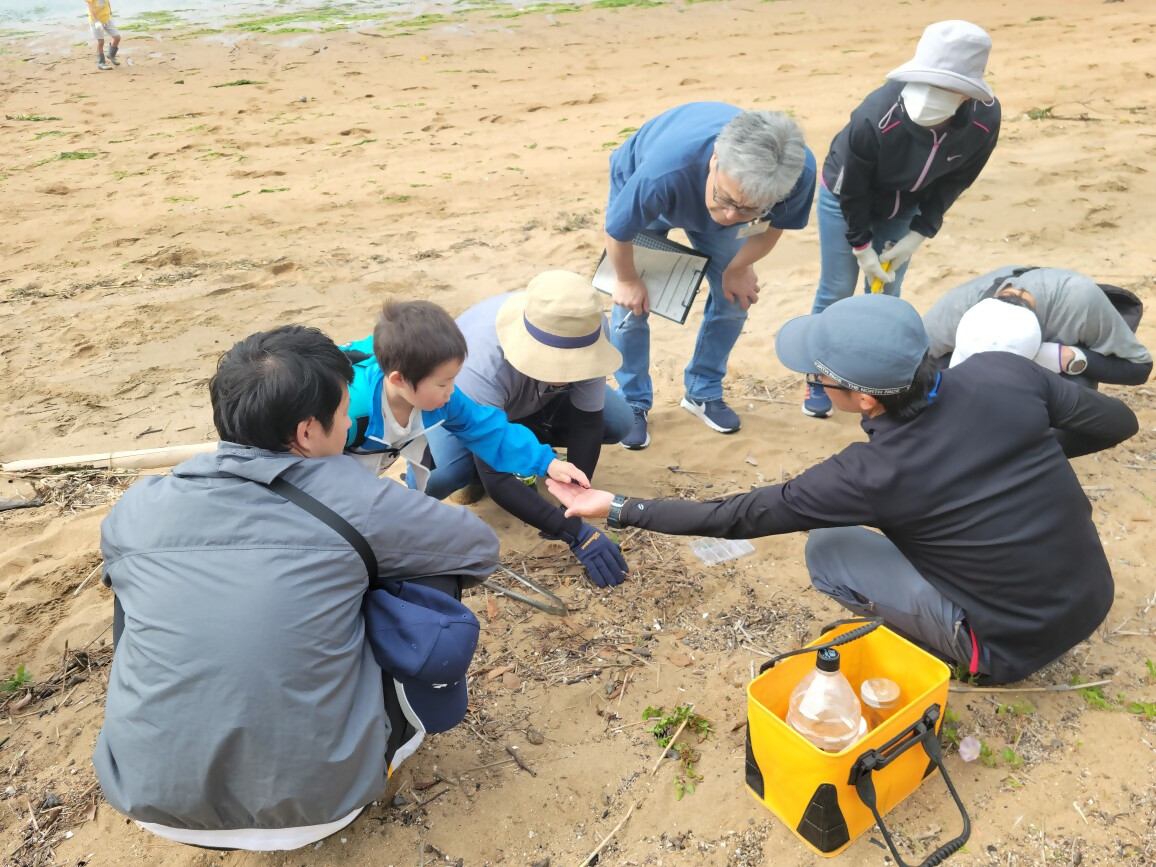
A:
(100, 19)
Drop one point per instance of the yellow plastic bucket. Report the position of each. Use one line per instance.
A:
(829, 799)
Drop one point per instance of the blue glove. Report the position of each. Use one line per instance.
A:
(604, 563)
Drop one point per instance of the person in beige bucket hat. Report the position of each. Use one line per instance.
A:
(541, 356)
(555, 330)
(911, 148)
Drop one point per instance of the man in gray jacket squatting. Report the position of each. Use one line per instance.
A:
(245, 709)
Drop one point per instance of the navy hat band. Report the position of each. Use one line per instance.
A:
(556, 341)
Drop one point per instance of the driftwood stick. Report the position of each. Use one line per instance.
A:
(6, 505)
(670, 743)
(513, 751)
(136, 459)
(608, 837)
(86, 577)
(1055, 687)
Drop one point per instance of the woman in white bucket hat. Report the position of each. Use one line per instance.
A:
(910, 149)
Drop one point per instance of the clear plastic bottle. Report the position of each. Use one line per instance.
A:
(824, 708)
(879, 698)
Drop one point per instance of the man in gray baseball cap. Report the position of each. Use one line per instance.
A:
(981, 545)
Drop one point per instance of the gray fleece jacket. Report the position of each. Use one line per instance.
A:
(243, 693)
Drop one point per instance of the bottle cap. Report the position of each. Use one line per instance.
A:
(828, 659)
(879, 692)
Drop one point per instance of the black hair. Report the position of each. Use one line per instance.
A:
(911, 402)
(415, 338)
(1014, 300)
(272, 381)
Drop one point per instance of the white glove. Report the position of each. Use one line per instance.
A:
(902, 250)
(869, 264)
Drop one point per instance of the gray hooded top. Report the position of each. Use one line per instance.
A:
(243, 693)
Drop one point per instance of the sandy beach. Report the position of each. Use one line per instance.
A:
(233, 181)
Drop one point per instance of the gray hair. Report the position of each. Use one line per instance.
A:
(763, 151)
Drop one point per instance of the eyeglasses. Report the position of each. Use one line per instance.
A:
(727, 204)
(814, 381)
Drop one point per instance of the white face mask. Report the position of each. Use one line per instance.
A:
(927, 105)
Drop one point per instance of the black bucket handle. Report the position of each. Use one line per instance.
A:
(923, 731)
(869, 625)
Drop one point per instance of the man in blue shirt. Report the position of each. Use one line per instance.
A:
(733, 180)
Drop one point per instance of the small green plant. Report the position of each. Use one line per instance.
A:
(17, 681)
(1020, 708)
(959, 672)
(31, 117)
(1040, 113)
(986, 755)
(1011, 757)
(240, 82)
(1093, 695)
(1148, 708)
(273, 190)
(949, 731)
(47, 133)
(664, 728)
(398, 200)
(1151, 666)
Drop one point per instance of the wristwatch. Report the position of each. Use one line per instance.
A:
(612, 517)
(1079, 362)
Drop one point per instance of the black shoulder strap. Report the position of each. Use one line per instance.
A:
(323, 513)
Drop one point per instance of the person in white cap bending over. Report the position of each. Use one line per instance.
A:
(910, 149)
(986, 552)
(1086, 329)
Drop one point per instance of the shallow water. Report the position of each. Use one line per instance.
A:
(20, 15)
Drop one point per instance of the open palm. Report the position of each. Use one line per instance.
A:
(584, 502)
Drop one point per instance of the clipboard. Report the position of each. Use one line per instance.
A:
(671, 271)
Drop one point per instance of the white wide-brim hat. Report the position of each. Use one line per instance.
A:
(555, 330)
(951, 55)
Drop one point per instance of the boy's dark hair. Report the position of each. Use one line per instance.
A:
(911, 402)
(415, 338)
(271, 381)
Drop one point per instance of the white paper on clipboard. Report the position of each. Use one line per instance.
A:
(672, 273)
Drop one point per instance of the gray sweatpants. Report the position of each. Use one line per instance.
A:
(865, 573)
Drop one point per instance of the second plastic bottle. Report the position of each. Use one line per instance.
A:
(824, 708)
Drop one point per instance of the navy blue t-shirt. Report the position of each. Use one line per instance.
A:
(661, 171)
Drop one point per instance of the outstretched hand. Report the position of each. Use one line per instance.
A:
(583, 502)
(564, 471)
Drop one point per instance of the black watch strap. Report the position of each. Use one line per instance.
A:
(612, 518)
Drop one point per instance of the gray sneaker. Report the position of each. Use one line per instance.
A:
(637, 438)
(102, 64)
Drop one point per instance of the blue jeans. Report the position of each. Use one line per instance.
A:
(454, 463)
(722, 323)
(838, 267)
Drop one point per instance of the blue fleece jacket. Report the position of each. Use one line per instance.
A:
(484, 430)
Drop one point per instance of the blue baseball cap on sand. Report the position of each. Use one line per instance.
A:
(425, 640)
(868, 343)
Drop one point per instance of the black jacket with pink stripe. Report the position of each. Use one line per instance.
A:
(882, 162)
